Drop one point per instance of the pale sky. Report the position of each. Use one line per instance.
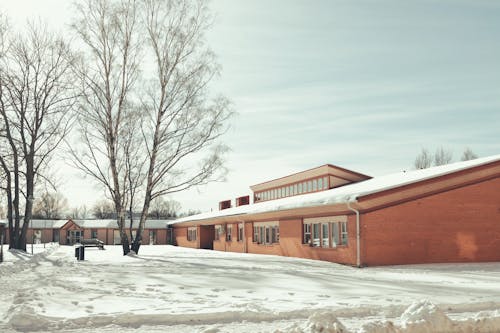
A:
(361, 84)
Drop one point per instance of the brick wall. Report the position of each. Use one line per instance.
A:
(460, 225)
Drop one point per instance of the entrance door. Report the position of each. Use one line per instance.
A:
(73, 236)
(207, 237)
(55, 235)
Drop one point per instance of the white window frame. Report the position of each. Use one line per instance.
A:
(192, 234)
(240, 232)
(229, 233)
(306, 232)
(267, 233)
(336, 231)
(218, 232)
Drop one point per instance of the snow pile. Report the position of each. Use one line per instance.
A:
(424, 316)
(24, 320)
(419, 317)
(319, 322)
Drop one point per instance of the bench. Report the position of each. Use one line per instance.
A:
(92, 242)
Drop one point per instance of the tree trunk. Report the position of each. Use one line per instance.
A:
(123, 233)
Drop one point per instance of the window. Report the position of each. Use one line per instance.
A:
(320, 184)
(295, 190)
(307, 233)
(309, 186)
(229, 232)
(191, 236)
(299, 186)
(343, 233)
(93, 233)
(316, 234)
(315, 185)
(325, 183)
(335, 235)
(240, 232)
(325, 240)
(266, 233)
(319, 232)
(287, 191)
(218, 232)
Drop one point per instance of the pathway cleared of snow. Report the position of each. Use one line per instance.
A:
(190, 290)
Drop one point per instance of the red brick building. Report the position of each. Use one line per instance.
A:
(69, 232)
(442, 214)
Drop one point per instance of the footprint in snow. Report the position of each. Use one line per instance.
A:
(216, 290)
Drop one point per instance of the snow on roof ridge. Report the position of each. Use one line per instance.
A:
(345, 193)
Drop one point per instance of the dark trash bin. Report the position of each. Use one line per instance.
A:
(80, 252)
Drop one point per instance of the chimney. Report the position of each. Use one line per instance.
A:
(244, 200)
(224, 204)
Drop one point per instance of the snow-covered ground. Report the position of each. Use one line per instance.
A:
(171, 289)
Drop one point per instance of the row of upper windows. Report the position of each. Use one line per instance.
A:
(312, 185)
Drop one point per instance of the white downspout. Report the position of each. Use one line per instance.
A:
(358, 251)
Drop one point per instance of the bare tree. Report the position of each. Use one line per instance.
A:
(50, 206)
(103, 209)
(79, 213)
(108, 72)
(423, 160)
(160, 137)
(468, 154)
(190, 212)
(182, 122)
(161, 208)
(36, 97)
(442, 156)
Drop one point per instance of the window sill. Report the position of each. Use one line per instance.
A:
(326, 248)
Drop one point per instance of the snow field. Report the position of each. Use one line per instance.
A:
(173, 289)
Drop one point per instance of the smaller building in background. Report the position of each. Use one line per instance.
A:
(69, 232)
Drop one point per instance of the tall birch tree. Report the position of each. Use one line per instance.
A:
(149, 124)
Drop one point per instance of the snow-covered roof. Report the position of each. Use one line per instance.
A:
(42, 224)
(111, 224)
(345, 193)
(92, 224)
